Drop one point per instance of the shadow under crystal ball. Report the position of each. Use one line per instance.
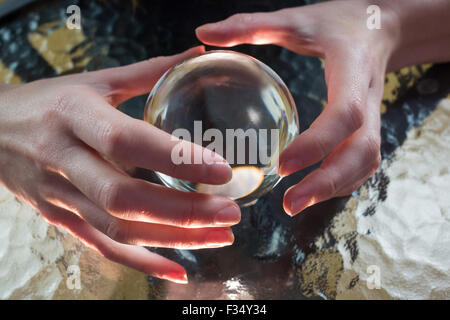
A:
(233, 105)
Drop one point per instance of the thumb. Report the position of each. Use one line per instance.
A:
(122, 83)
(250, 28)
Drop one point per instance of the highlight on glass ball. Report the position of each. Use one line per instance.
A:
(234, 105)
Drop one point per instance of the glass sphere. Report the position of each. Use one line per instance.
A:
(241, 109)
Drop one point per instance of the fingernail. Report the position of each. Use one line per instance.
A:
(205, 26)
(220, 238)
(287, 167)
(221, 163)
(196, 48)
(298, 204)
(228, 215)
(219, 173)
(200, 48)
(176, 277)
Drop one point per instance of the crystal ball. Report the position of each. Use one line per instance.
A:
(234, 105)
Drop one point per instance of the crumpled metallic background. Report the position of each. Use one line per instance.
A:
(397, 223)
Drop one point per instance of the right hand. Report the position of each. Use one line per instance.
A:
(55, 138)
(346, 135)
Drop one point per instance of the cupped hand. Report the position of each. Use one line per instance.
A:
(59, 141)
(346, 135)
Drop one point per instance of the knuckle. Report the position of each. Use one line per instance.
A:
(60, 105)
(188, 219)
(376, 163)
(112, 229)
(43, 148)
(353, 114)
(109, 195)
(57, 156)
(372, 151)
(50, 150)
(118, 230)
(329, 182)
(349, 191)
(112, 137)
(241, 18)
(320, 145)
(331, 185)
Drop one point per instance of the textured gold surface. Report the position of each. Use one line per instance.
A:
(392, 83)
(55, 43)
(414, 271)
(8, 76)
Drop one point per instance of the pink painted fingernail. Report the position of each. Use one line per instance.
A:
(228, 216)
(219, 173)
(287, 167)
(176, 277)
(298, 204)
(219, 238)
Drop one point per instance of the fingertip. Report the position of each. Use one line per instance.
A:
(281, 173)
(218, 170)
(294, 202)
(229, 215)
(286, 202)
(179, 278)
(219, 173)
(176, 58)
(175, 273)
(287, 210)
(203, 30)
(288, 164)
(198, 49)
(194, 51)
(213, 34)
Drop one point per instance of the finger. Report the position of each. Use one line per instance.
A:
(372, 128)
(349, 190)
(136, 143)
(132, 256)
(122, 83)
(355, 160)
(348, 85)
(252, 28)
(137, 233)
(138, 200)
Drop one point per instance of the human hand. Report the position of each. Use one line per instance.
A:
(59, 140)
(347, 132)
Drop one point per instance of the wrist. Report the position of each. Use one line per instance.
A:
(419, 31)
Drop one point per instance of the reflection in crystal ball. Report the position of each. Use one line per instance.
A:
(242, 110)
